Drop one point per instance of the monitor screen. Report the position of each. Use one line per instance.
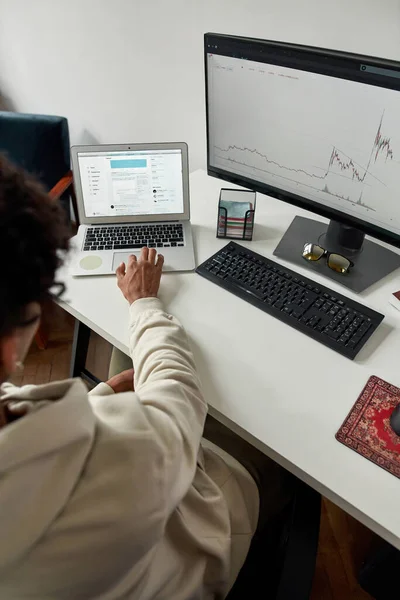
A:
(130, 183)
(319, 130)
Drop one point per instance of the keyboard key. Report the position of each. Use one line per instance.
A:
(334, 335)
(298, 312)
(313, 321)
(307, 301)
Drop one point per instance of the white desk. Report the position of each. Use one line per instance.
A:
(281, 390)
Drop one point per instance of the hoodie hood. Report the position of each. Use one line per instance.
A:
(54, 435)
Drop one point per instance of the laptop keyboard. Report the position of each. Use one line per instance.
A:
(125, 237)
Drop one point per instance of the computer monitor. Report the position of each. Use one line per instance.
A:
(318, 129)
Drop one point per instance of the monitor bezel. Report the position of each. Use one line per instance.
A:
(257, 49)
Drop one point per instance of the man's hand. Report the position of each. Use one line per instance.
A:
(123, 382)
(140, 278)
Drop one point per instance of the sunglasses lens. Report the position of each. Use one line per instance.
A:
(312, 252)
(339, 263)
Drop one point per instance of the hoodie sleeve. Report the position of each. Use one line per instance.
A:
(163, 420)
(101, 389)
(168, 387)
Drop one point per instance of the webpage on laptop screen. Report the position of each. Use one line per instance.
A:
(116, 184)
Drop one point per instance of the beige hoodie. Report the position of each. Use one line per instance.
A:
(110, 496)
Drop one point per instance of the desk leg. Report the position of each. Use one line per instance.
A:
(80, 347)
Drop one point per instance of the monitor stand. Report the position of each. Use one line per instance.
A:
(371, 261)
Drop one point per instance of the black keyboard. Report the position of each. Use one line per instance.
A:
(317, 311)
(126, 237)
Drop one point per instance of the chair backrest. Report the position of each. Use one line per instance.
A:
(38, 143)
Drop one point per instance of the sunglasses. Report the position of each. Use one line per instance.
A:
(336, 262)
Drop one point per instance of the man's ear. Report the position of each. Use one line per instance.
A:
(8, 352)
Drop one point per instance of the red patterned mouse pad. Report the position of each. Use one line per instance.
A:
(367, 427)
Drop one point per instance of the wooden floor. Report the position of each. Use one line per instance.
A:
(343, 542)
(52, 364)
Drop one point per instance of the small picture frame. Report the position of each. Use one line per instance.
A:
(236, 210)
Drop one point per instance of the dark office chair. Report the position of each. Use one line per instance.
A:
(40, 144)
(379, 575)
(281, 564)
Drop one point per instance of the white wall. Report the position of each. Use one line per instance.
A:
(132, 70)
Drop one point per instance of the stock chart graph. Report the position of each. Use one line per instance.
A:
(323, 138)
(338, 160)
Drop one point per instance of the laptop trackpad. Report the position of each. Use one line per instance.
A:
(120, 257)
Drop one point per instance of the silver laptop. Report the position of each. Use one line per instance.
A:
(130, 196)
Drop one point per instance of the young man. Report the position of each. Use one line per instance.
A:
(108, 495)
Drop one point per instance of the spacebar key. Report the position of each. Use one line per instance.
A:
(254, 293)
(127, 246)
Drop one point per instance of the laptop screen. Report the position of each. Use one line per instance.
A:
(129, 183)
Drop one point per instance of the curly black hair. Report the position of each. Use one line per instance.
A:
(34, 238)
